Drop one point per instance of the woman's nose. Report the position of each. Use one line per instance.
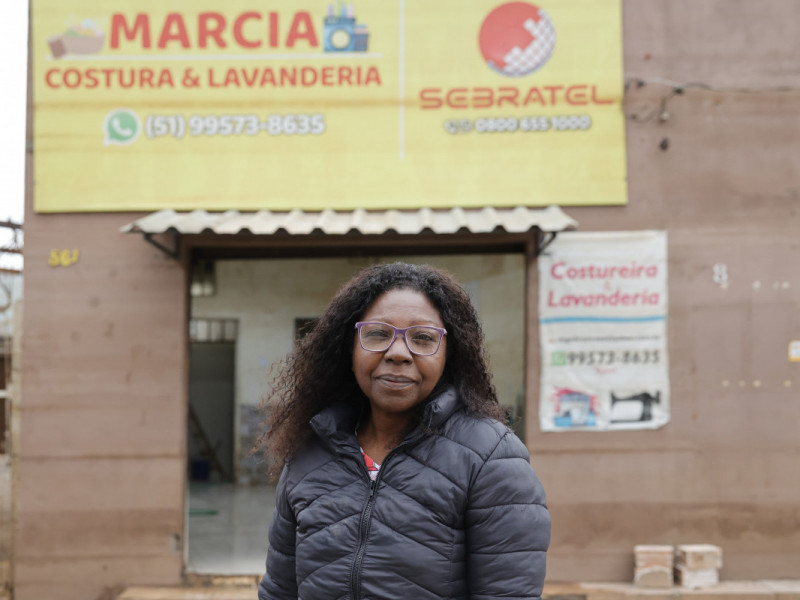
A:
(398, 350)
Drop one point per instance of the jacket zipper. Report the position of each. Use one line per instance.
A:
(366, 515)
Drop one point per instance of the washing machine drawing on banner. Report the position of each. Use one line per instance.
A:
(574, 408)
(341, 33)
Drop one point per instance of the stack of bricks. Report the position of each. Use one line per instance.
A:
(653, 566)
(697, 565)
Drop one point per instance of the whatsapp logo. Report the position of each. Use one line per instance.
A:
(121, 127)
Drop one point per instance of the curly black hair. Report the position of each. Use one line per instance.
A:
(317, 373)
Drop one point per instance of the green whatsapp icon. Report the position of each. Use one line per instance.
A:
(121, 127)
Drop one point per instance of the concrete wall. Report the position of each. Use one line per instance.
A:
(103, 414)
(726, 470)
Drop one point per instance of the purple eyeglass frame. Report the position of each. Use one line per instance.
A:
(400, 331)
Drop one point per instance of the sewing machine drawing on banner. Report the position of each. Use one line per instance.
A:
(633, 408)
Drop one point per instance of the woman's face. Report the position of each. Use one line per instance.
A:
(395, 381)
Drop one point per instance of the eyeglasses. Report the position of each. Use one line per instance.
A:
(422, 340)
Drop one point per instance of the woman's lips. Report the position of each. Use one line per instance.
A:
(395, 381)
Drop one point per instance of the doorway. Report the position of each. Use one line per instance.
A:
(223, 537)
(273, 301)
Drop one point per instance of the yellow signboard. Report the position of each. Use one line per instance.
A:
(150, 104)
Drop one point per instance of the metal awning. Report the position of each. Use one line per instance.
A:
(519, 219)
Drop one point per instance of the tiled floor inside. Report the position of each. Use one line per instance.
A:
(228, 527)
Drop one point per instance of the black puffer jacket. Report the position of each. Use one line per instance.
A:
(459, 514)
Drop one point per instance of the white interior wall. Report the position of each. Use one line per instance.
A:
(266, 296)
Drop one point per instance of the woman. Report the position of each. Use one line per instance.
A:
(400, 480)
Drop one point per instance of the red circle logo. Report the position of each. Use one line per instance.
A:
(517, 38)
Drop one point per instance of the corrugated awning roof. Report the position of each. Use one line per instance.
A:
(518, 219)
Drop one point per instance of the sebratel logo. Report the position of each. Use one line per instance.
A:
(517, 39)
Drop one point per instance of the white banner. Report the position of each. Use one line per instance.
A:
(602, 319)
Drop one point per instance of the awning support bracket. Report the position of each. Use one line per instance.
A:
(172, 251)
(543, 240)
